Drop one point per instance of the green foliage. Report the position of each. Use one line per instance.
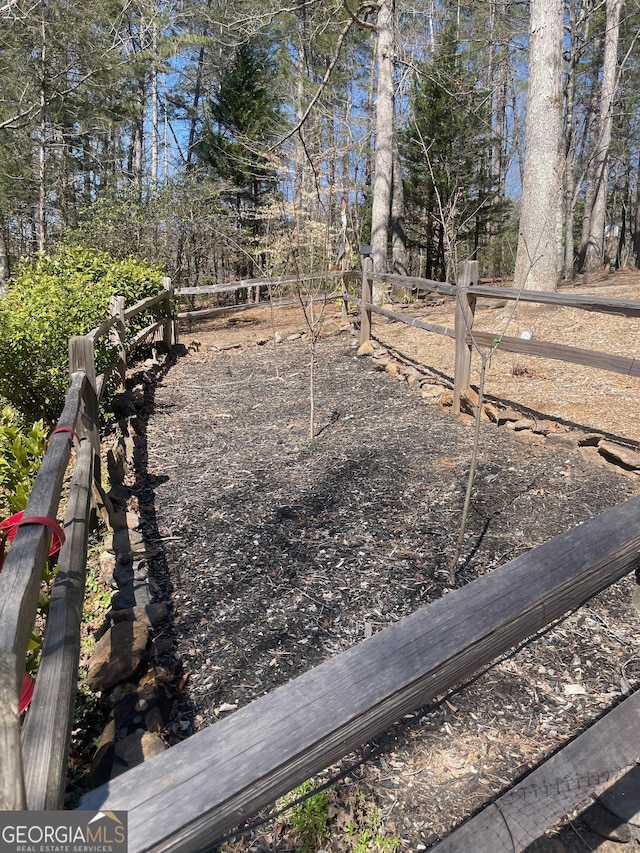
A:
(310, 818)
(21, 450)
(97, 595)
(50, 300)
(326, 819)
(243, 118)
(368, 834)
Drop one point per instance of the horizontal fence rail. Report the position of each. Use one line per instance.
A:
(517, 818)
(19, 588)
(187, 797)
(205, 313)
(33, 757)
(248, 283)
(466, 293)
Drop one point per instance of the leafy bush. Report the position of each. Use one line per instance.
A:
(21, 450)
(50, 300)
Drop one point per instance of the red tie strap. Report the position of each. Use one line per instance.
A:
(9, 528)
(72, 432)
(26, 693)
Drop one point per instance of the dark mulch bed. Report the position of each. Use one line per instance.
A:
(278, 553)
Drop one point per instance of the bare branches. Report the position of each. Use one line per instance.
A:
(321, 87)
(355, 15)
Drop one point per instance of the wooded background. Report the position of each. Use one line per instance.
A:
(233, 138)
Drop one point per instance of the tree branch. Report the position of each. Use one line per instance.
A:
(321, 87)
(354, 15)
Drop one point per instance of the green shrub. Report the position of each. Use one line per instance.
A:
(49, 300)
(21, 450)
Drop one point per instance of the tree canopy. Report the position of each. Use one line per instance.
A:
(219, 137)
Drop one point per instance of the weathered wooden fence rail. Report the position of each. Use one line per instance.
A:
(33, 759)
(257, 283)
(466, 293)
(187, 797)
(19, 587)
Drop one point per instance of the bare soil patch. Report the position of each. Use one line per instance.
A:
(278, 553)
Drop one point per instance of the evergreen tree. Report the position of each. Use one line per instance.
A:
(450, 196)
(243, 118)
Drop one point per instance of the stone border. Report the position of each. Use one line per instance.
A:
(593, 444)
(137, 697)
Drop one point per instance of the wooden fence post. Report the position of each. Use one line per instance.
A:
(365, 295)
(465, 310)
(82, 357)
(12, 788)
(171, 327)
(345, 293)
(117, 337)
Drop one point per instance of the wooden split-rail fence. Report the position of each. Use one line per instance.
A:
(191, 795)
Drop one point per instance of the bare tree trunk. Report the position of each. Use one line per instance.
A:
(299, 151)
(589, 189)
(399, 237)
(636, 230)
(570, 145)
(4, 256)
(154, 109)
(381, 208)
(537, 256)
(593, 255)
(193, 121)
(42, 150)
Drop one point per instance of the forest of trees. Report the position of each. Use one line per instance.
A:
(225, 138)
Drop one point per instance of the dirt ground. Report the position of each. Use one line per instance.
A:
(278, 552)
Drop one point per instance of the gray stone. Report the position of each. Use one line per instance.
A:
(138, 394)
(140, 570)
(118, 493)
(129, 450)
(123, 573)
(431, 392)
(117, 655)
(152, 614)
(102, 761)
(135, 749)
(147, 707)
(142, 594)
(123, 520)
(107, 566)
(589, 439)
(562, 439)
(620, 455)
(623, 798)
(116, 464)
(126, 542)
(606, 824)
(124, 404)
(522, 424)
(365, 349)
(124, 598)
(507, 415)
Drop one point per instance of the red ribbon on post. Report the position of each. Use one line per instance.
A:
(9, 528)
(72, 432)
